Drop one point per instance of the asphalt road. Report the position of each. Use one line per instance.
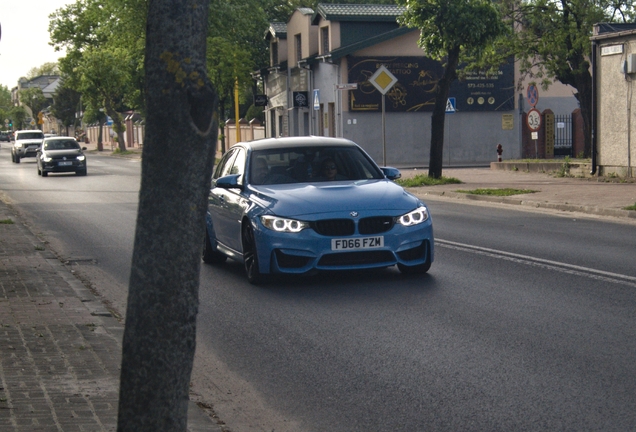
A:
(525, 321)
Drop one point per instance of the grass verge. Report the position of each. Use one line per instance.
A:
(118, 152)
(631, 207)
(497, 192)
(425, 180)
(6, 221)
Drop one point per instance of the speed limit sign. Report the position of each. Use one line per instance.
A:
(534, 119)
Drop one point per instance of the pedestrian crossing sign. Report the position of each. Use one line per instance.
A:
(450, 105)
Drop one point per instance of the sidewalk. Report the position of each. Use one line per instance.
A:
(60, 348)
(590, 196)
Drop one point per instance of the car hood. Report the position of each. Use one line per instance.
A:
(61, 153)
(302, 200)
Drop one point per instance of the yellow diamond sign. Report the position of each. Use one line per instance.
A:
(383, 79)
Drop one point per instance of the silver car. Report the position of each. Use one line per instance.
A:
(26, 144)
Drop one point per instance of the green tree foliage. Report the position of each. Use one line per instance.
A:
(19, 115)
(178, 156)
(50, 68)
(236, 47)
(96, 115)
(104, 81)
(552, 42)
(5, 105)
(226, 63)
(90, 28)
(65, 105)
(454, 32)
(34, 99)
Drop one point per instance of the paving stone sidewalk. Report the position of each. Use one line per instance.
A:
(60, 349)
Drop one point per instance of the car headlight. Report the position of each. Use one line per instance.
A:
(414, 217)
(46, 159)
(280, 224)
(81, 157)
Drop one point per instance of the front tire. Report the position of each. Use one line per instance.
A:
(17, 158)
(250, 256)
(210, 255)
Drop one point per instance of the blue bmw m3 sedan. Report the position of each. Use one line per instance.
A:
(297, 205)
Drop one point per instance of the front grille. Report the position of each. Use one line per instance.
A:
(414, 253)
(375, 225)
(334, 227)
(356, 258)
(290, 261)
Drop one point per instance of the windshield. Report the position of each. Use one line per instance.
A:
(311, 164)
(30, 135)
(61, 145)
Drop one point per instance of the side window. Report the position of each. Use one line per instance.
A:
(238, 165)
(225, 165)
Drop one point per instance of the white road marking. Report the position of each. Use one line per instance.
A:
(549, 264)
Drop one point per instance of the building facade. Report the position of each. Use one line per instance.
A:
(614, 70)
(48, 84)
(320, 83)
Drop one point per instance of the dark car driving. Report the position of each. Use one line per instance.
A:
(60, 155)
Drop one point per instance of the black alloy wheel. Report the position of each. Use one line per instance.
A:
(250, 256)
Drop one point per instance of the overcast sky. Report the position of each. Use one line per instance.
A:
(25, 37)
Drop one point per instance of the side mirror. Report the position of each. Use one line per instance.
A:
(228, 182)
(391, 173)
(84, 148)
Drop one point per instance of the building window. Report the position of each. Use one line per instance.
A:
(324, 36)
(274, 54)
(299, 48)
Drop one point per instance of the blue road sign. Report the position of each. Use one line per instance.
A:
(451, 105)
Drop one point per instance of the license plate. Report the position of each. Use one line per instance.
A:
(67, 163)
(357, 243)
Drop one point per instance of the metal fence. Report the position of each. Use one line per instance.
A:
(563, 135)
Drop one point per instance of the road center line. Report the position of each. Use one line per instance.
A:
(549, 264)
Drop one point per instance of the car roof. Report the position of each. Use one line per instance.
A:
(54, 138)
(298, 141)
(29, 130)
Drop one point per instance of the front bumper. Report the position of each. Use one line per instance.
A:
(25, 152)
(55, 167)
(308, 251)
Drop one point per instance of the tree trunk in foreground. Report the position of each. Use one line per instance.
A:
(584, 96)
(439, 114)
(177, 162)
